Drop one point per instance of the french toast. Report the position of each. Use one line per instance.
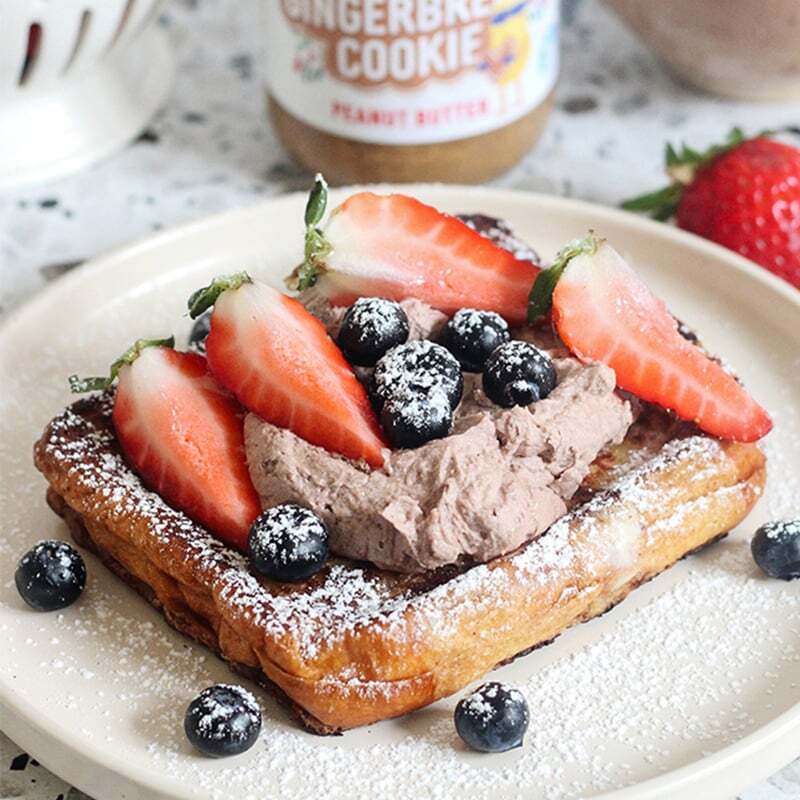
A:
(353, 644)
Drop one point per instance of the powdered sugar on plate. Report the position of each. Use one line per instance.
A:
(666, 682)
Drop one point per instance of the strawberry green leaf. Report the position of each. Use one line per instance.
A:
(204, 298)
(661, 205)
(541, 296)
(316, 246)
(317, 202)
(79, 385)
(682, 165)
(671, 156)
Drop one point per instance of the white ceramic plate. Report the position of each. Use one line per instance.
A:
(690, 688)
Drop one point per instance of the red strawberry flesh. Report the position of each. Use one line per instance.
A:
(279, 361)
(398, 247)
(604, 312)
(183, 435)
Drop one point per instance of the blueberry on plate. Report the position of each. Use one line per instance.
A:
(493, 718)
(412, 419)
(288, 543)
(371, 327)
(472, 336)
(518, 374)
(223, 720)
(776, 549)
(51, 575)
(199, 332)
(417, 367)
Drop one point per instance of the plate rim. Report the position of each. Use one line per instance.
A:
(754, 746)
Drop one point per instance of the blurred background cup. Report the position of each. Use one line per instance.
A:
(78, 80)
(748, 49)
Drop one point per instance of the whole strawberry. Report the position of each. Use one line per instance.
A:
(744, 195)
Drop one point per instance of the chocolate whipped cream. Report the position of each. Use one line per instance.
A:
(498, 480)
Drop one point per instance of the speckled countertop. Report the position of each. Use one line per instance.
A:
(210, 149)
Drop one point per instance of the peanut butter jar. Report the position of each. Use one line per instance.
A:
(410, 90)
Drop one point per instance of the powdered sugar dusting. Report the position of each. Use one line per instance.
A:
(284, 530)
(779, 530)
(414, 361)
(375, 318)
(213, 708)
(667, 682)
(480, 703)
(420, 412)
(470, 321)
(419, 366)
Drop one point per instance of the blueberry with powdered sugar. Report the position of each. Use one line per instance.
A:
(472, 336)
(417, 367)
(776, 549)
(493, 718)
(50, 576)
(199, 333)
(412, 419)
(370, 328)
(518, 374)
(223, 720)
(288, 543)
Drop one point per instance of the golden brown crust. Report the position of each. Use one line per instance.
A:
(354, 645)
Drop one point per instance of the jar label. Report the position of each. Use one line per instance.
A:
(411, 71)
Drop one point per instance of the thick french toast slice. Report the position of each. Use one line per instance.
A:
(353, 644)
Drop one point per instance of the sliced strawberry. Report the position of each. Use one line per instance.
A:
(397, 247)
(604, 312)
(182, 433)
(278, 359)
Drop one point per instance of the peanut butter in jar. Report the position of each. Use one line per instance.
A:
(410, 90)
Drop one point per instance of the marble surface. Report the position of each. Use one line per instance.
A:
(210, 149)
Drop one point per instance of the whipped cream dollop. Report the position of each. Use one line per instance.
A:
(501, 478)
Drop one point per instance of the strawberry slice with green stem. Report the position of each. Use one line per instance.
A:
(182, 433)
(397, 247)
(279, 361)
(603, 311)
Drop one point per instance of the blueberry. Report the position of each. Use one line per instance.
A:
(370, 328)
(288, 543)
(518, 374)
(419, 367)
(50, 576)
(493, 718)
(413, 419)
(776, 549)
(223, 720)
(472, 336)
(199, 332)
